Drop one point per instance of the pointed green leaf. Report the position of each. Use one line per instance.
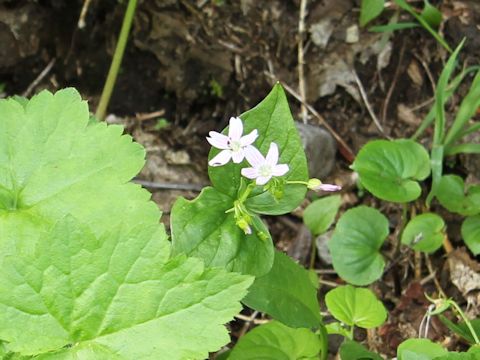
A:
(431, 14)
(320, 214)
(471, 233)
(116, 293)
(390, 169)
(453, 196)
(286, 293)
(351, 350)
(275, 341)
(274, 122)
(356, 306)
(369, 10)
(424, 232)
(355, 245)
(201, 228)
(461, 329)
(419, 349)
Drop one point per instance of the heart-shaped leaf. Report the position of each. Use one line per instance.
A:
(275, 341)
(202, 228)
(355, 245)
(390, 169)
(274, 123)
(356, 306)
(452, 195)
(320, 214)
(471, 233)
(424, 232)
(419, 349)
(286, 293)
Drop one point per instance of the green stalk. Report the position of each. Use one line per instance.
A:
(116, 61)
(467, 322)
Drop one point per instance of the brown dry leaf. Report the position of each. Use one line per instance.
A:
(414, 73)
(406, 115)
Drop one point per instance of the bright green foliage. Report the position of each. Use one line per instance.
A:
(369, 10)
(286, 293)
(355, 245)
(453, 196)
(320, 214)
(275, 341)
(459, 356)
(424, 232)
(206, 227)
(419, 349)
(461, 329)
(114, 295)
(471, 233)
(431, 14)
(390, 169)
(338, 329)
(274, 122)
(351, 350)
(84, 265)
(356, 307)
(201, 228)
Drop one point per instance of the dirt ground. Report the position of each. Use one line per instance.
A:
(191, 64)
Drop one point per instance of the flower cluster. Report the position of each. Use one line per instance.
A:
(237, 147)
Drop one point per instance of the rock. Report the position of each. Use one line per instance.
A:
(320, 149)
(322, 249)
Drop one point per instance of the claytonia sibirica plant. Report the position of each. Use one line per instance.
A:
(263, 168)
(234, 145)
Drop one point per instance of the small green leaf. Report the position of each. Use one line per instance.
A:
(369, 10)
(286, 293)
(201, 228)
(471, 233)
(356, 306)
(452, 195)
(461, 329)
(337, 328)
(393, 27)
(390, 169)
(320, 214)
(115, 297)
(424, 232)
(431, 15)
(275, 341)
(355, 245)
(419, 349)
(351, 350)
(274, 122)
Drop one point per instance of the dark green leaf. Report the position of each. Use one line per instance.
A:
(461, 329)
(390, 169)
(471, 233)
(355, 245)
(431, 15)
(452, 195)
(286, 293)
(351, 350)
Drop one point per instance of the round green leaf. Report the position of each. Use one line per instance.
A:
(452, 195)
(471, 233)
(355, 245)
(419, 349)
(320, 214)
(390, 169)
(356, 306)
(274, 122)
(424, 233)
(275, 341)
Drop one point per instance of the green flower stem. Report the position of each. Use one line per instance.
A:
(467, 322)
(116, 61)
(297, 182)
(323, 342)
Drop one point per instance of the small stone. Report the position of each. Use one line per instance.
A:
(322, 248)
(320, 149)
(177, 157)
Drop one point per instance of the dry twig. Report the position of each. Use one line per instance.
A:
(39, 78)
(301, 75)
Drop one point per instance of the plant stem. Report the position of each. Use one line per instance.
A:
(323, 342)
(116, 61)
(467, 322)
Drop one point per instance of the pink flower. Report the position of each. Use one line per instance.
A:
(263, 168)
(233, 146)
(317, 185)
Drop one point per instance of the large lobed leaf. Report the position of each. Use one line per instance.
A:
(106, 290)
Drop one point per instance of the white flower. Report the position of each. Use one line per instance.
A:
(263, 169)
(233, 146)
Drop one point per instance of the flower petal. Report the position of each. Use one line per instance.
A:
(272, 155)
(328, 187)
(250, 173)
(218, 140)
(221, 158)
(254, 157)
(237, 156)
(235, 128)
(280, 170)
(249, 139)
(262, 180)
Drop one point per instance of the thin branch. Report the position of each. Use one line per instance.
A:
(301, 75)
(39, 78)
(168, 186)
